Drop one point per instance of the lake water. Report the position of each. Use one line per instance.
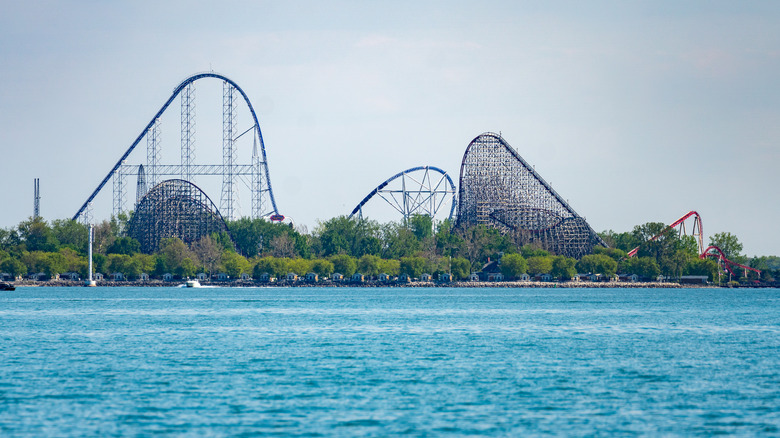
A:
(384, 362)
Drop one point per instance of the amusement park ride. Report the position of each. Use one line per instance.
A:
(497, 188)
(697, 232)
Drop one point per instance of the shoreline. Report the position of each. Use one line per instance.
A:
(375, 284)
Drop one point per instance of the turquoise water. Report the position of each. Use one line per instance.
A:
(384, 362)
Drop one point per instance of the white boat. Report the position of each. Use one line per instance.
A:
(192, 283)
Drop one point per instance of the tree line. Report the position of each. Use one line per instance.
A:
(347, 246)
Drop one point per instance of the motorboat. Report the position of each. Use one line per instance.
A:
(7, 286)
(192, 283)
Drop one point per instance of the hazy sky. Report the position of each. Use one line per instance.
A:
(634, 111)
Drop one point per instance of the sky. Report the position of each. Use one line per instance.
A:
(634, 111)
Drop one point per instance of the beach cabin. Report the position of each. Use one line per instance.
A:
(445, 277)
(265, 277)
(167, 276)
(337, 277)
(292, 276)
(143, 276)
(245, 277)
(426, 277)
(72, 276)
(495, 276)
(97, 276)
(312, 277)
(545, 277)
(660, 279)
(385, 278)
(202, 276)
(474, 277)
(358, 278)
(221, 276)
(117, 276)
(404, 278)
(4, 276)
(524, 277)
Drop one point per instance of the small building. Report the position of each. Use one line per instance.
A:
(404, 278)
(524, 277)
(143, 276)
(117, 276)
(245, 277)
(495, 276)
(595, 277)
(628, 278)
(474, 277)
(358, 278)
(292, 276)
(694, 279)
(97, 276)
(312, 277)
(660, 279)
(222, 277)
(426, 277)
(385, 278)
(167, 276)
(545, 277)
(337, 277)
(39, 276)
(4, 276)
(72, 276)
(445, 277)
(202, 276)
(265, 277)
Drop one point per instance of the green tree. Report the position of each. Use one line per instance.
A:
(14, 267)
(421, 226)
(36, 235)
(597, 264)
(513, 265)
(173, 251)
(461, 268)
(390, 267)
(72, 234)
(563, 268)
(235, 264)
(299, 266)
(124, 245)
(398, 241)
(539, 265)
(730, 245)
(187, 268)
(412, 266)
(343, 264)
(369, 265)
(322, 267)
(645, 267)
(350, 236)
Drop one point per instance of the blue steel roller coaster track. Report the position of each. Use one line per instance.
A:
(141, 136)
(380, 187)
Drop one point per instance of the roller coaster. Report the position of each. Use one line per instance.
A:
(263, 201)
(697, 231)
(497, 188)
(419, 190)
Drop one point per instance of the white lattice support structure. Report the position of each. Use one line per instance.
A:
(119, 193)
(152, 153)
(229, 100)
(257, 182)
(187, 131)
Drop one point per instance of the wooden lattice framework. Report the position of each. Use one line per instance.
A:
(174, 208)
(501, 190)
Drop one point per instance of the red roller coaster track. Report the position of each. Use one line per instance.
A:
(681, 222)
(698, 233)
